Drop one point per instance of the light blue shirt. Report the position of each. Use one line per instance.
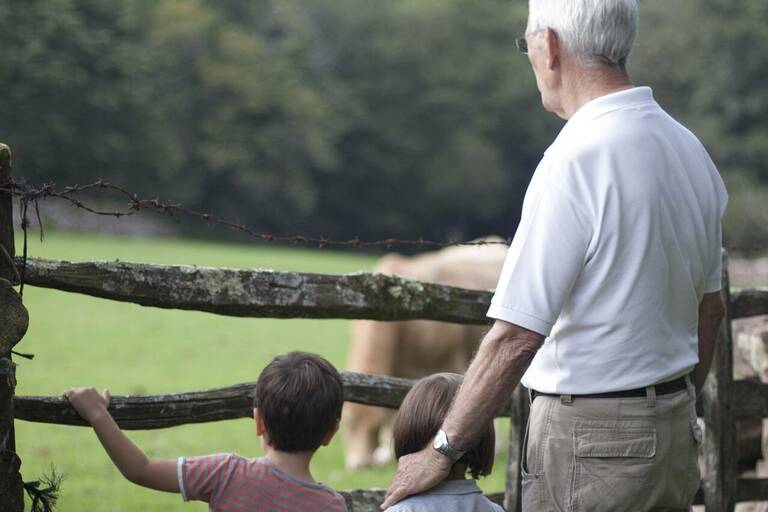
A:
(448, 496)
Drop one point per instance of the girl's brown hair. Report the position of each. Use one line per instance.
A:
(422, 413)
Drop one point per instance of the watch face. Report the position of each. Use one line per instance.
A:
(440, 440)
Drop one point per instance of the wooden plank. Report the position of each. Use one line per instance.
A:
(364, 500)
(146, 412)
(168, 410)
(749, 399)
(749, 303)
(7, 249)
(7, 385)
(14, 318)
(375, 389)
(8, 337)
(368, 500)
(752, 489)
(263, 293)
(518, 419)
(162, 411)
(11, 484)
(11, 330)
(720, 449)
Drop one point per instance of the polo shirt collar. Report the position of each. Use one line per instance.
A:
(455, 487)
(614, 101)
(634, 97)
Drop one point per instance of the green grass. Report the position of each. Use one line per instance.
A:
(79, 340)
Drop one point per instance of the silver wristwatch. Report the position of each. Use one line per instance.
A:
(440, 444)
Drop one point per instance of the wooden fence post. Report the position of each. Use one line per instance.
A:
(518, 420)
(720, 432)
(6, 219)
(11, 485)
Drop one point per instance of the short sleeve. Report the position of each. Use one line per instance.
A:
(714, 277)
(546, 257)
(201, 477)
(713, 274)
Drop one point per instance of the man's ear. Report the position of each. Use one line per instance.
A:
(260, 428)
(327, 438)
(552, 48)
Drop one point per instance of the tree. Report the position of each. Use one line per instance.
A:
(435, 100)
(75, 103)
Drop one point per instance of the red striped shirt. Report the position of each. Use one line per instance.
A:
(231, 483)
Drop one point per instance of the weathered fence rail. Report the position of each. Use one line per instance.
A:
(749, 399)
(265, 293)
(746, 303)
(146, 412)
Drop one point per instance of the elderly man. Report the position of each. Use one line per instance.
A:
(608, 303)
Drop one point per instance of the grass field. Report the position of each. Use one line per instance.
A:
(79, 340)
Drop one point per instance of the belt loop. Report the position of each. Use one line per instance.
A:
(566, 399)
(650, 396)
(530, 396)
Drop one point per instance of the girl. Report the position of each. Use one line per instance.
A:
(418, 420)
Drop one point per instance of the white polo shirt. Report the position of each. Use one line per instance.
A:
(619, 239)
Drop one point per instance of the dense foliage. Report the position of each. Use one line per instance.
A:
(348, 117)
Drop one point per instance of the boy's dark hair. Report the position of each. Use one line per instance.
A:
(299, 396)
(422, 413)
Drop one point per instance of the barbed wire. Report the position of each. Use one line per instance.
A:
(33, 195)
(28, 194)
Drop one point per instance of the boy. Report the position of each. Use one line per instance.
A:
(297, 410)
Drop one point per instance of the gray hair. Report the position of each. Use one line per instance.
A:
(592, 31)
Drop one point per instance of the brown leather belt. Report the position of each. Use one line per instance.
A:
(665, 388)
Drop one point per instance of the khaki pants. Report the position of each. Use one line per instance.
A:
(612, 454)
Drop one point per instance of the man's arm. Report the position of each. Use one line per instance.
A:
(504, 355)
(502, 359)
(711, 312)
(129, 459)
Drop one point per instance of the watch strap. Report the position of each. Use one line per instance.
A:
(441, 445)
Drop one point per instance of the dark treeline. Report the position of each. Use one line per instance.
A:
(374, 118)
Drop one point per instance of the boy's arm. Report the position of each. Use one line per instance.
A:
(129, 459)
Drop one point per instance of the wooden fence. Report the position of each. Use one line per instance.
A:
(258, 293)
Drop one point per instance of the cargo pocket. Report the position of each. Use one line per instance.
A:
(613, 465)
